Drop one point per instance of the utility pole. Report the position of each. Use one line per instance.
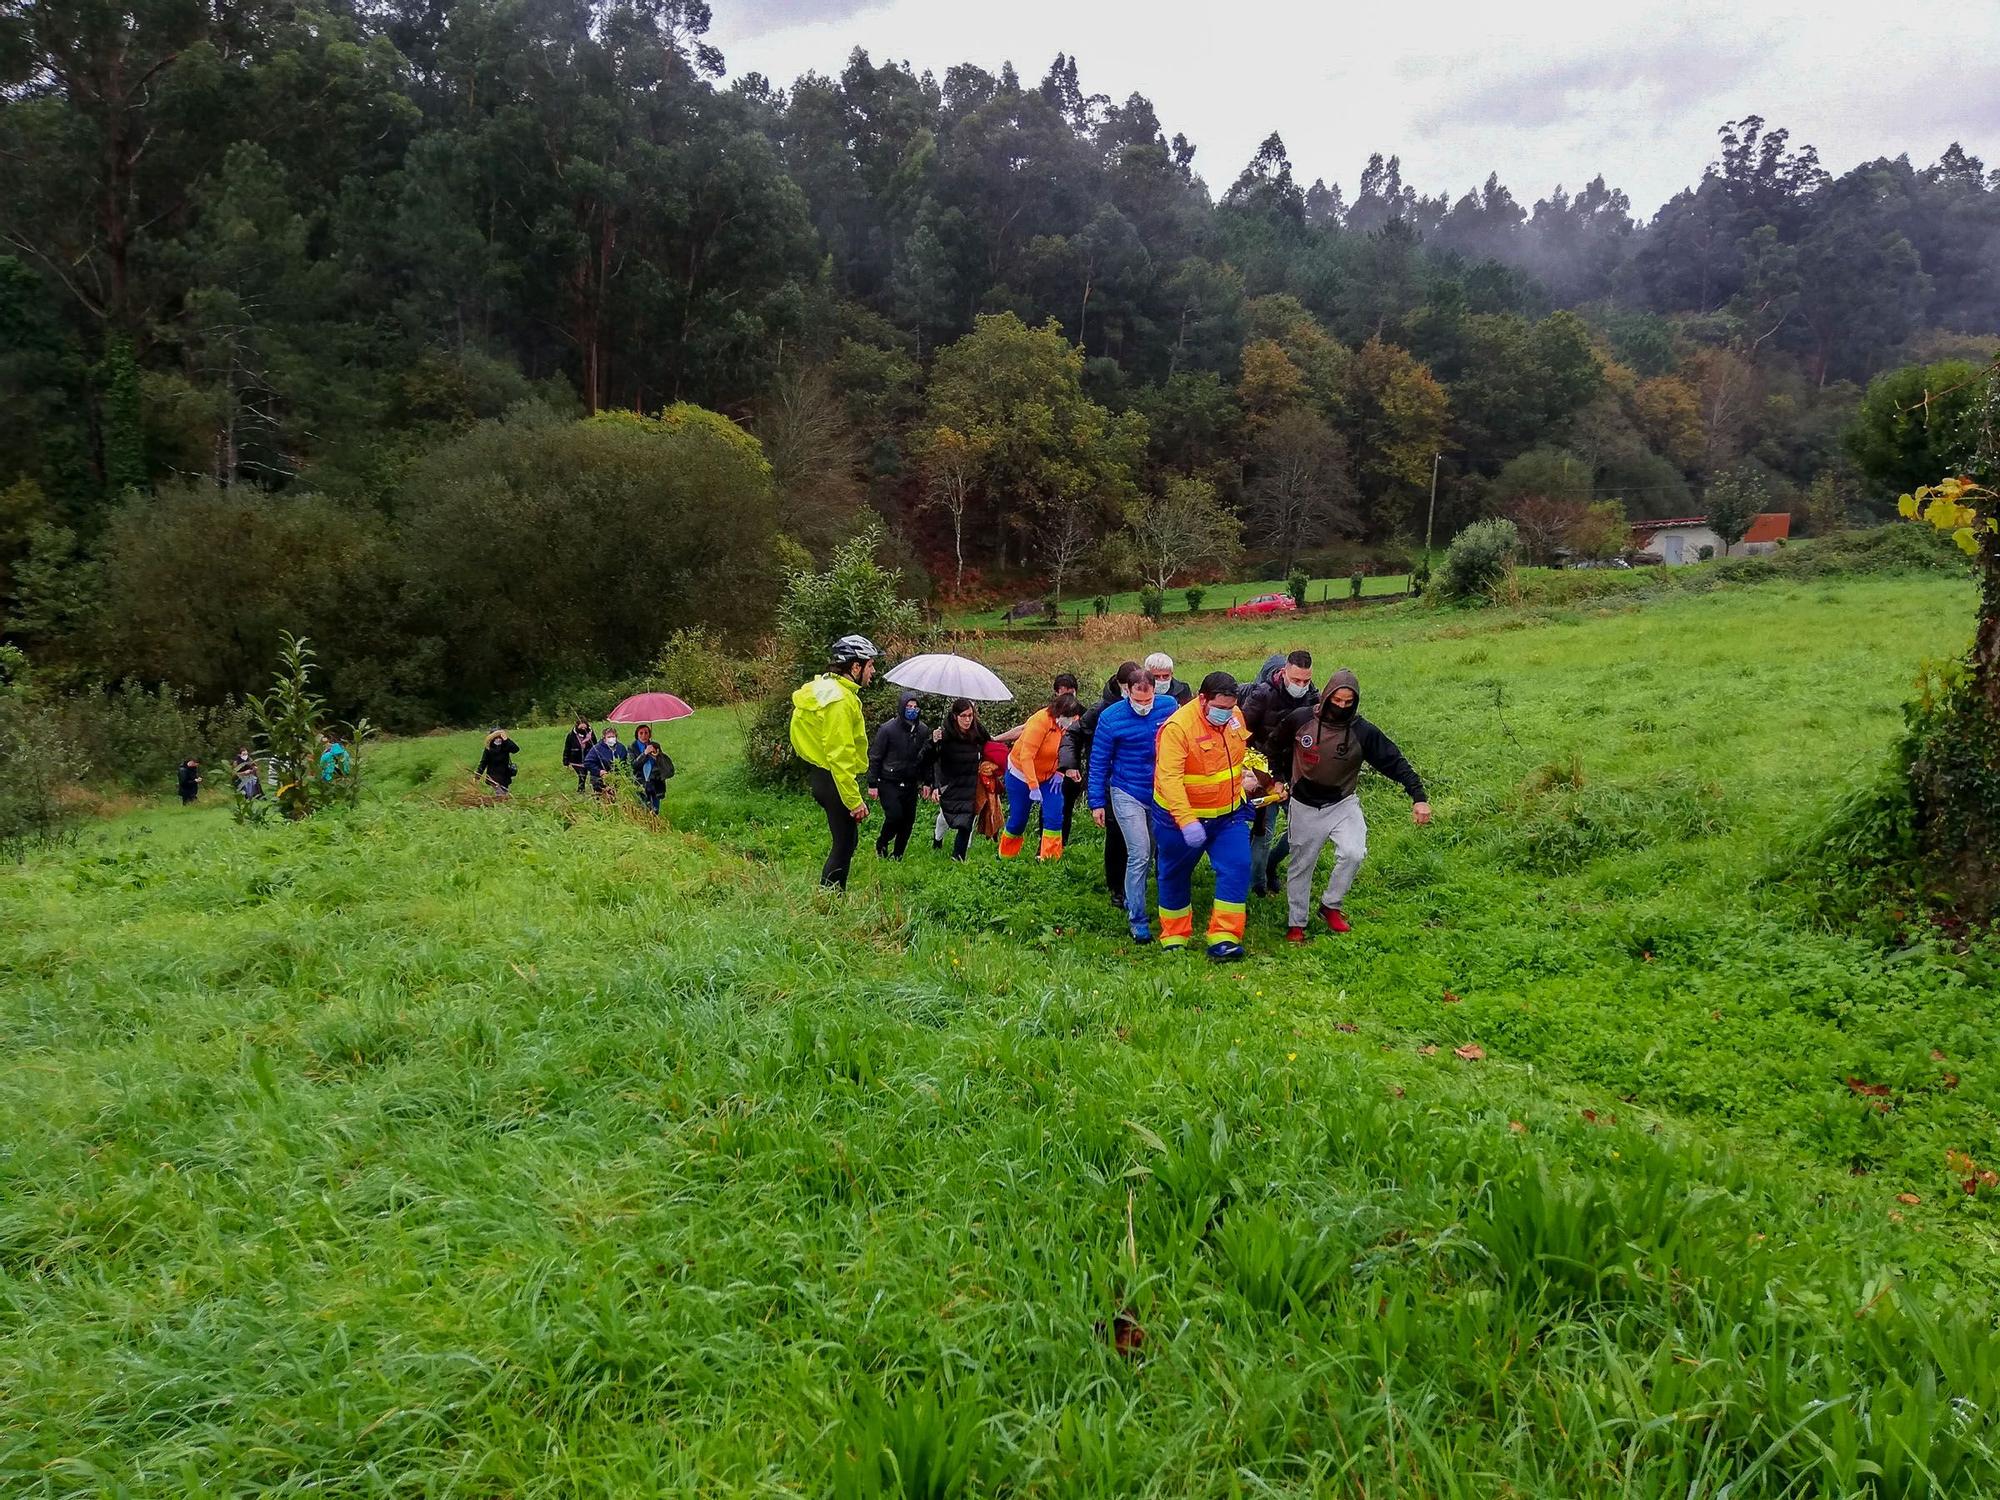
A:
(1435, 461)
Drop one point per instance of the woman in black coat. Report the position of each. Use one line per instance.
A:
(576, 745)
(957, 750)
(496, 761)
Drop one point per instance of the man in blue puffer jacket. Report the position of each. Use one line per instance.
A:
(1121, 780)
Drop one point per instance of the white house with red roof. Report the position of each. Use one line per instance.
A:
(1681, 540)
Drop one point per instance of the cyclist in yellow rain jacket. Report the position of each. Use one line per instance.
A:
(1199, 806)
(831, 737)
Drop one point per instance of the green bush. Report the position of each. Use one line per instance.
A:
(136, 737)
(1194, 596)
(1296, 586)
(855, 595)
(1152, 603)
(694, 665)
(1478, 561)
(37, 762)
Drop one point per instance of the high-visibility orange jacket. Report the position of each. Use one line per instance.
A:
(1033, 757)
(1199, 770)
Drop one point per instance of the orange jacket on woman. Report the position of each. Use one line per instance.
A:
(1033, 757)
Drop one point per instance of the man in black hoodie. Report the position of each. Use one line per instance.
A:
(1331, 743)
(1283, 687)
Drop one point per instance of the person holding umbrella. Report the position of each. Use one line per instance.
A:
(496, 761)
(898, 759)
(958, 750)
(651, 766)
(829, 734)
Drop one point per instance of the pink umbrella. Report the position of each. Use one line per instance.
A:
(649, 708)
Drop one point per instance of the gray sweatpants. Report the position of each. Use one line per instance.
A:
(1311, 827)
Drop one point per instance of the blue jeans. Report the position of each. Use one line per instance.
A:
(1135, 821)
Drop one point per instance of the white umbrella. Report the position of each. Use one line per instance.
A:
(949, 676)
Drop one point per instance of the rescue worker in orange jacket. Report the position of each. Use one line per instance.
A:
(1200, 807)
(1033, 781)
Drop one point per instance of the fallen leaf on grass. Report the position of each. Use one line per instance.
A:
(1910, 1198)
(1873, 1090)
(1950, 1080)
(1450, 998)
(1429, 1049)
(1397, 1090)
(1517, 1127)
(1471, 1052)
(1592, 1117)
(1936, 1056)
(1894, 1217)
(1347, 1026)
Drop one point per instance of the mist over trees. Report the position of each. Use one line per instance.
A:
(335, 300)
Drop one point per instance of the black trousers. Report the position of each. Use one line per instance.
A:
(840, 823)
(899, 816)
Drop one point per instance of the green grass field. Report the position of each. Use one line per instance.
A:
(1216, 596)
(539, 1150)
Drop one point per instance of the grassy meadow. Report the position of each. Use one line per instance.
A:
(446, 1148)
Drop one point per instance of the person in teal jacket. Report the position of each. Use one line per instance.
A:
(334, 759)
(830, 735)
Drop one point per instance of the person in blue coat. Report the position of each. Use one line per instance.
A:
(606, 758)
(1121, 781)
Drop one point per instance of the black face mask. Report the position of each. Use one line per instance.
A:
(1335, 714)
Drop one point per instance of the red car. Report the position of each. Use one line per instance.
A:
(1263, 604)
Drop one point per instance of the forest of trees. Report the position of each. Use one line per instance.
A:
(440, 332)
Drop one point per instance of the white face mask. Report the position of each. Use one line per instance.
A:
(1142, 709)
(1296, 689)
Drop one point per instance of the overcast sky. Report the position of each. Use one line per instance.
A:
(1542, 93)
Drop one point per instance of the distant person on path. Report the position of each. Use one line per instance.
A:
(189, 778)
(605, 759)
(1331, 742)
(651, 766)
(1122, 762)
(958, 751)
(829, 734)
(1198, 808)
(334, 760)
(1033, 781)
(1284, 686)
(577, 744)
(899, 758)
(496, 761)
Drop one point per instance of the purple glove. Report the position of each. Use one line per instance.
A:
(1194, 835)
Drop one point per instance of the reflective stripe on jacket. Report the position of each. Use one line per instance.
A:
(1199, 771)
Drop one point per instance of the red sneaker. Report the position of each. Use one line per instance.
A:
(1295, 934)
(1335, 922)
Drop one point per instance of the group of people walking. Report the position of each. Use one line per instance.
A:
(1172, 774)
(601, 763)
